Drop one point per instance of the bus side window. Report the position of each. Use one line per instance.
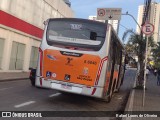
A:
(117, 53)
(110, 55)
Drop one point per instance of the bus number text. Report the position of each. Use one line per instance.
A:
(90, 62)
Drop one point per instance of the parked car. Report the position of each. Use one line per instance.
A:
(32, 76)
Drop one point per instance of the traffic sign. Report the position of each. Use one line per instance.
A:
(148, 29)
(109, 13)
(101, 12)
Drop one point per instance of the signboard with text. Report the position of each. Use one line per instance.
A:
(109, 13)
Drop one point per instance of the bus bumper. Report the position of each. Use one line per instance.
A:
(78, 89)
(70, 87)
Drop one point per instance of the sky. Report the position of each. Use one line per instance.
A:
(85, 8)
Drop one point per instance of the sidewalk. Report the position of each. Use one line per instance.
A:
(151, 103)
(10, 76)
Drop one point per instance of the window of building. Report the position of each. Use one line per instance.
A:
(1, 51)
(34, 57)
(17, 56)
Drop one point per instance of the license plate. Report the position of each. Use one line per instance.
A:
(68, 87)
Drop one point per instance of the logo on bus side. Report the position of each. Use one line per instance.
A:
(85, 71)
(69, 61)
(48, 74)
(51, 57)
(54, 75)
(67, 77)
(71, 54)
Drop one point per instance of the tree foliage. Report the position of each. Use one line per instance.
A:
(156, 55)
(137, 45)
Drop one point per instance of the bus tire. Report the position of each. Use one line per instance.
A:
(33, 82)
(117, 90)
(108, 99)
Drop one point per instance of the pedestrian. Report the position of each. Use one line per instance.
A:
(147, 73)
(155, 71)
(158, 77)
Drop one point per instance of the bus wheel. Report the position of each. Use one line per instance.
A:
(117, 90)
(33, 82)
(108, 99)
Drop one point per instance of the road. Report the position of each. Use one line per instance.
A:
(21, 96)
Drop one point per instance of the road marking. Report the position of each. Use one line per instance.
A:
(56, 94)
(24, 104)
(5, 88)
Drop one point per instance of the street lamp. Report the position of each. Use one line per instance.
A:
(133, 19)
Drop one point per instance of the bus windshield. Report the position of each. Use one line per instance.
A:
(76, 33)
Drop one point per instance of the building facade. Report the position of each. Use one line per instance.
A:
(114, 23)
(154, 19)
(21, 30)
(67, 2)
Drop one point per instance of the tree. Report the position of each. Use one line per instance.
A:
(137, 45)
(156, 55)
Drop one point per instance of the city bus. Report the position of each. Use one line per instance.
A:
(80, 56)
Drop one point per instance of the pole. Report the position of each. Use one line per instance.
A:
(133, 19)
(144, 86)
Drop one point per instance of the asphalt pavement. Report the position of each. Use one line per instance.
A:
(19, 95)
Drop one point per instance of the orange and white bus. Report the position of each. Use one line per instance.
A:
(80, 56)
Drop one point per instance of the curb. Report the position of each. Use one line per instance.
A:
(13, 79)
